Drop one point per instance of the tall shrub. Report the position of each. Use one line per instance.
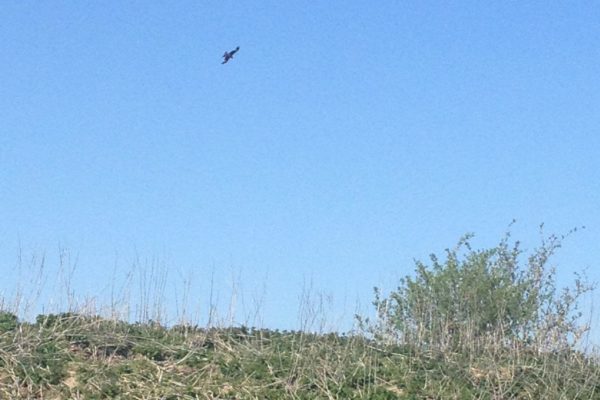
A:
(478, 300)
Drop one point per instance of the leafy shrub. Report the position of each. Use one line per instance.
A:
(47, 364)
(8, 321)
(483, 299)
(53, 320)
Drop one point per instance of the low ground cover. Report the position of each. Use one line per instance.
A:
(85, 357)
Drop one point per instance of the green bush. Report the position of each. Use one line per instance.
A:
(480, 299)
(8, 321)
(53, 320)
(46, 364)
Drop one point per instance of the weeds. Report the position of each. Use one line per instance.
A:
(438, 337)
(76, 356)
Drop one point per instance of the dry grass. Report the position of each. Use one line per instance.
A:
(85, 357)
(86, 354)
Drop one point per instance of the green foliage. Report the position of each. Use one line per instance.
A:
(475, 300)
(53, 320)
(46, 364)
(8, 321)
(52, 358)
(479, 324)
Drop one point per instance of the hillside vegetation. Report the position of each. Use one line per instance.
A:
(70, 356)
(480, 324)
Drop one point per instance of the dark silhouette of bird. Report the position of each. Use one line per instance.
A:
(229, 54)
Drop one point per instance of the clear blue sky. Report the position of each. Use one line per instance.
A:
(342, 142)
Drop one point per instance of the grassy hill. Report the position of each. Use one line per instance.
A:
(475, 324)
(71, 356)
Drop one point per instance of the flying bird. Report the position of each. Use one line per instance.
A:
(229, 54)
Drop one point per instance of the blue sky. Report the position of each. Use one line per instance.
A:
(341, 143)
